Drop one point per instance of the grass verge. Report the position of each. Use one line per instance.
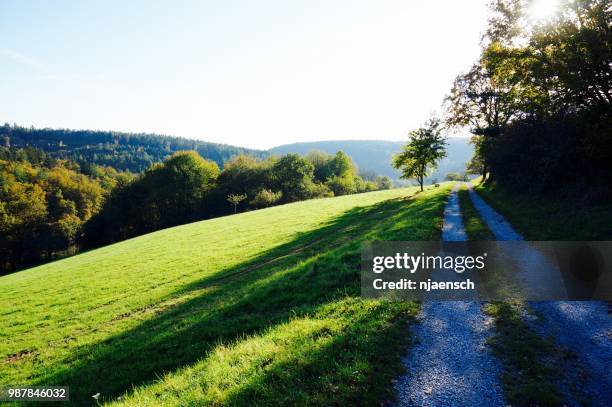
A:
(528, 376)
(539, 218)
(475, 228)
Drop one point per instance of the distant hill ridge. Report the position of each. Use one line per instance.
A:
(138, 151)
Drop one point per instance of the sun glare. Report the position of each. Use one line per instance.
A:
(543, 9)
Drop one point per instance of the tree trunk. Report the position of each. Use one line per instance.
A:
(422, 177)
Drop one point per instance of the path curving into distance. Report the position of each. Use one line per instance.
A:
(450, 363)
(583, 327)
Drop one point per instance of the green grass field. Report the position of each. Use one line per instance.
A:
(262, 306)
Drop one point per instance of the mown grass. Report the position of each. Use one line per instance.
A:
(261, 307)
(528, 377)
(539, 218)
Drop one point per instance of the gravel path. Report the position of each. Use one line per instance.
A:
(450, 364)
(452, 228)
(582, 327)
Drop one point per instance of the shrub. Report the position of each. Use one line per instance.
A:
(317, 190)
(362, 185)
(384, 183)
(341, 185)
(265, 198)
(456, 176)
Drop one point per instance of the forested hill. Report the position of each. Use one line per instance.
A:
(375, 155)
(136, 152)
(123, 151)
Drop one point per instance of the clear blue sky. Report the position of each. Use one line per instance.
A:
(251, 73)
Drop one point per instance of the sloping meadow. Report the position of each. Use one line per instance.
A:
(263, 306)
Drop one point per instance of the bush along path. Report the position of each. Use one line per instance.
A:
(450, 364)
(580, 330)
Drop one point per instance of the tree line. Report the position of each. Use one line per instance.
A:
(187, 187)
(538, 100)
(44, 202)
(54, 207)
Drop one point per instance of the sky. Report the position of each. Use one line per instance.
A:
(249, 73)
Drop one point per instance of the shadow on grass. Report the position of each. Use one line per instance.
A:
(350, 367)
(289, 281)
